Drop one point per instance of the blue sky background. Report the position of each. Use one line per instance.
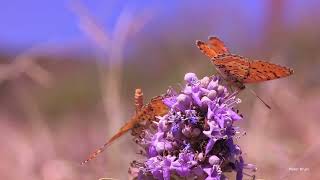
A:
(23, 23)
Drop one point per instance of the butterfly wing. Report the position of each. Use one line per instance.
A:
(156, 107)
(214, 48)
(237, 68)
(243, 70)
(217, 45)
(206, 49)
(263, 71)
(233, 68)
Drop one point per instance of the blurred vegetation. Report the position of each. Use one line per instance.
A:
(153, 59)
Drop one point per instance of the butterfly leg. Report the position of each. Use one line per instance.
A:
(231, 86)
(263, 102)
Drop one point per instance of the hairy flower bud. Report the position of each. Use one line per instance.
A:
(191, 78)
(214, 160)
(212, 94)
(205, 81)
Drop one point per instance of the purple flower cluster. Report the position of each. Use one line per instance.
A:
(195, 138)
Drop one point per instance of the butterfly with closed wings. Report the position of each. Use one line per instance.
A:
(148, 112)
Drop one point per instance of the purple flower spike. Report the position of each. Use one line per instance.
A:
(195, 138)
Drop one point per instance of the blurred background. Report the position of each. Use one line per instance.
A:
(69, 70)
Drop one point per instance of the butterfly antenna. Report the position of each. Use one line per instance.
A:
(129, 125)
(255, 94)
(95, 154)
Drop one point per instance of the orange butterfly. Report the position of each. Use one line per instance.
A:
(237, 69)
(143, 113)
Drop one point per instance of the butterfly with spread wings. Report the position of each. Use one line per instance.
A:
(239, 70)
(148, 112)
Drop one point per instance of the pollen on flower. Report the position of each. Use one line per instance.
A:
(195, 139)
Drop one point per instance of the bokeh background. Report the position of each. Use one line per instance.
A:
(69, 70)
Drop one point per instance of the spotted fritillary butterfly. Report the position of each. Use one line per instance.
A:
(240, 70)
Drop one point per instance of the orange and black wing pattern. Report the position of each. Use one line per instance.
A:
(156, 107)
(263, 71)
(247, 71)
(217, 45)
(234, 68)
(239, 69)
(214, 48)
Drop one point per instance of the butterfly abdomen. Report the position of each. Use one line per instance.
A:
(138, 99)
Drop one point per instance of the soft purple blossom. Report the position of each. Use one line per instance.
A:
(183, 165)
(214, 160)
(152, 151)
(191, 78)
(195, 138)
(214, 173)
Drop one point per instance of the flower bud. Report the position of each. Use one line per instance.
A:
(186, 131)
(205, 101)
(161, 146)
(205, 81)
(213, 85)
(227, 123)
(201, 157)
(187, 90)
(251, 167)
(214, 160)
(220, 90)
(237, 150)
(195, 132)
(185, 99)
(191, 78)
(152, 151)
(212, 94)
